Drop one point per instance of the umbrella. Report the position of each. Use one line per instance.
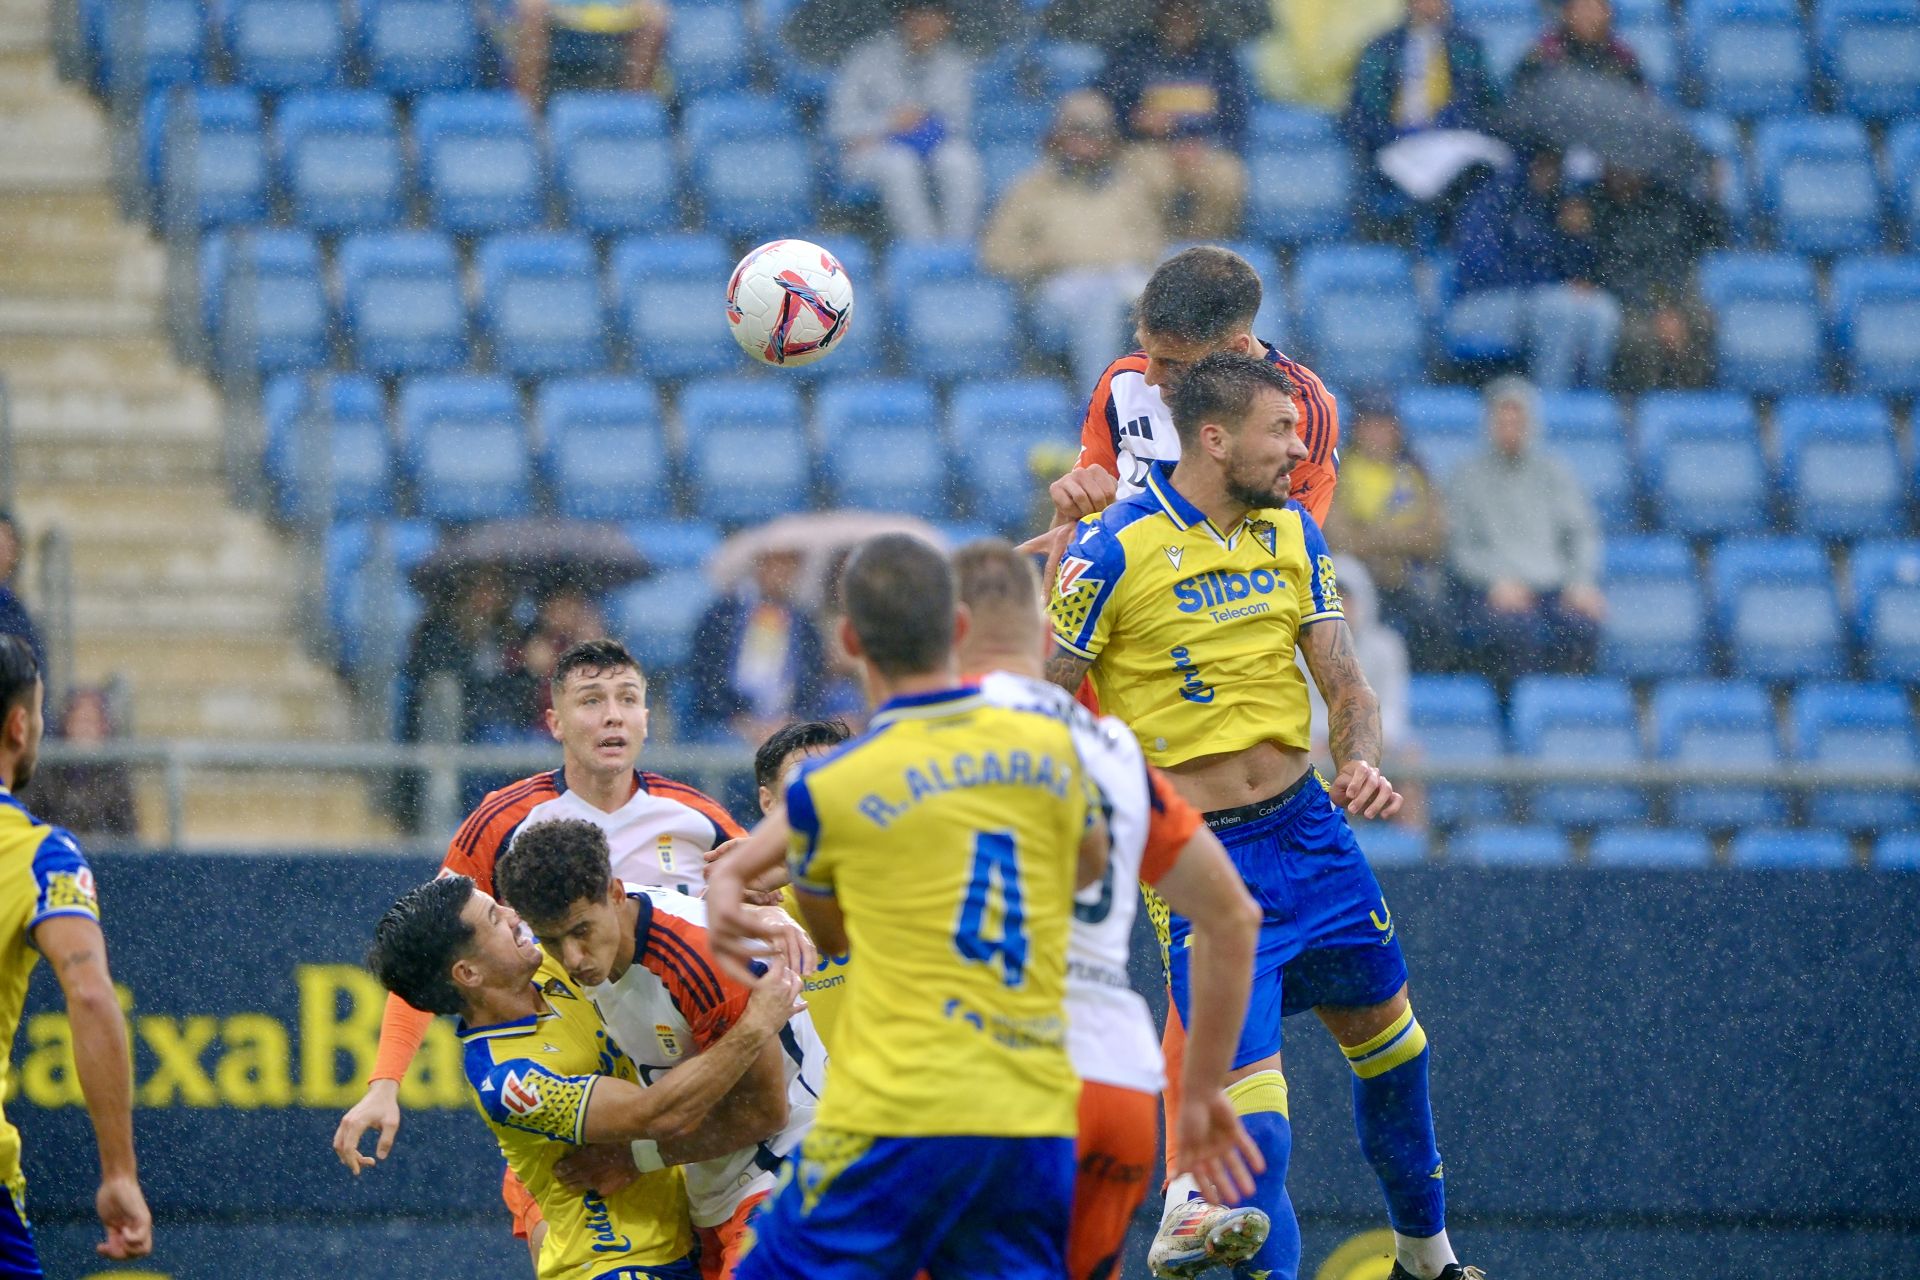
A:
(1108, 22)
(1626, 126)
(824, 30)
(818, 537)
(541, 554)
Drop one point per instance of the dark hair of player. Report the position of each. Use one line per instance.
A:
(551, 866)
(899, 595)
(1202, 294)
(595, 658)
(1221, 389)
(801, 735)
(18, 671)
(991, 574)
(417, 941)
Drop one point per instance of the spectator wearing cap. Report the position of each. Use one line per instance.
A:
(14, 619)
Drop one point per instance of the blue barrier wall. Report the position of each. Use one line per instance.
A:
(1677, 1074)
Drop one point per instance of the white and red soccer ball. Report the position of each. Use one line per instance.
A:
(789, 303)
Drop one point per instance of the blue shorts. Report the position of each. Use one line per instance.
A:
(1326, 936)
(854, 1207)
(684, 1269)
(18, 1257)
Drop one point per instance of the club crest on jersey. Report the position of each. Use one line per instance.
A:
(555, 987)
(520, 1094)
(1071, 567)
(1263, 533)
(669, 1041)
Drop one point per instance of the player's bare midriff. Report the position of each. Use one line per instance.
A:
(1234, 778)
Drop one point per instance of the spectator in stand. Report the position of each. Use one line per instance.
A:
(1382, 654)
(1526, 239)
(901, 109)
(1526, 548)
(1308, 57)
(1082, 230)
(1389, 516)
(470, 633)
(758, 659)
(93, 799)
(566, 617)
(14, 619)
(562, 45)
(1583, 40)
(1651, 231)
(1183, 101)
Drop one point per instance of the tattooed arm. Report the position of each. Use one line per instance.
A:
(1067, 669)
(1353, 720)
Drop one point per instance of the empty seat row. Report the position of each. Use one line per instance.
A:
(1642, 848)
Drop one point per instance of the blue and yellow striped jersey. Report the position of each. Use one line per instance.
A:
(1191, 632)
(42, 874)
(531, 1079)
(949, 834)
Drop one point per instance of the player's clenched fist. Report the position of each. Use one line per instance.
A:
(1364, 791)
(379, 1109)
(1083, 491)
(122, 1207)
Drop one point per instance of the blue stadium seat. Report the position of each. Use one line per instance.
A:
(953, 319)
(1388, 845)
(1839, 465)
(1903, 177)
(401, 303)
(750, 164)
(1006, 163)
(1457, 719)
(1506, 29)
(1578, 719)
(1701, 454)
(998, 121)
(1766, 320)
(747, 456)
(479, 162)
(1899, 851)
(1505, 846)
(166, 46)
(669, 292)
(1299, 177)
(1797, 850)
(881, 448)
(1886, 604)
(708, 49)
(274, 314)
(340, 166)
(996, 427)
(1871, 49)
(464, 446)
(1721, 138)
(603, 447)
(674, 544)
(1876, 322)
(1360, 315)
(1750, 59)
(278, 45)
(1442, 426)
(1586, 430)
(359, 457)
(1656, 618)
(1817, 183)
(613, 162)
(1067, 65)
(1856, 724)
(1642, 847)
(1650, 35)
(657, 616)
(211, 156)
(1777, 608)
(1715, 722)
(419, 46)
(355, 613)
(540, 304)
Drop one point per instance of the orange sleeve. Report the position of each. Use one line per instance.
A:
(700, 802)
(1171, 822)
(678, 954)
(1100, 429)
(1314, 479)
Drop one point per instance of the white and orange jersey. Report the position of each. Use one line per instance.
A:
(658, 839)
(1128, 430)
(674, 1002)
(1110, 1035)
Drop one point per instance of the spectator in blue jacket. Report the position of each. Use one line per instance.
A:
(758, 661)
(1183, 103)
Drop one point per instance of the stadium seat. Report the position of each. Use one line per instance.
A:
(997, 426)
(358, 615)
(1506, 29)
(669, 291)
(419, 46)
(1656, 617)
(1871, 49)
(281, 45)
(656, 617)
(1067, 65)
(1359, 314)
(603, 447)
(1839, 465)
(340, 167)
(1388, 845)
(708, 49)
(274, 314)
(211, 156)
(1457, 718)
(1903, 177)
(1006, 163)
(674, 544)
(1576, 720)
(1899, 851)
(881, 448)
(1867, 725)
(356, 473)
(1766, 320)
(953, 319)
(1641, 847)
(1876, 322)
(1795, 850)
(749, 163)
(1505, 846)
(1714, 722)
(479, 163)
(1650, 35)
(401, 303)
(1817, 183)
(464, 447)
(1701, 454)
(1442, 426)
(1586, 431)
(540, 304)
(613, 162)
(165, 46)
(1299, 178)
(1750, 58)
(1777, 608)
(1886, 604)
(747, 456)
(1020, 120)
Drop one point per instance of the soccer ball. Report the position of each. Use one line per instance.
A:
(789, 303)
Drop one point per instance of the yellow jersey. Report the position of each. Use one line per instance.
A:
(826, 985)
(531, 1079)
(43, 874)
(1191, 631)
(949, 835)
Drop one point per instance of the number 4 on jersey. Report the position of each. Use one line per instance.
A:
(995, 868)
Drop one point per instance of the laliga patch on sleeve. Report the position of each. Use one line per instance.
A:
(1071, 567)
(520, 1094)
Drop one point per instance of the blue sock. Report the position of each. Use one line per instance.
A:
(1395, 1122)
(1261, 1100)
